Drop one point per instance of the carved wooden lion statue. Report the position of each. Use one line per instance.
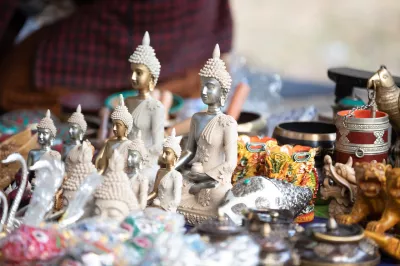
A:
(371, 196)
(391, 214)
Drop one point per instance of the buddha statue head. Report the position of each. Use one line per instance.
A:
(114, 198)
(145, 66)
(215, 79)
(122, 119)
(46, 130)
(138, 156)
(77, 125)
(171, 150)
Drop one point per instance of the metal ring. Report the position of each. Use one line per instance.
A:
(359, 153)
(249, 146)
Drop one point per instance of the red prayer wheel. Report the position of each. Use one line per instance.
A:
(361, 136)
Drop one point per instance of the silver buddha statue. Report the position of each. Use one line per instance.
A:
(46, 134)
(211, 153)
(77, 130)
(138, 160)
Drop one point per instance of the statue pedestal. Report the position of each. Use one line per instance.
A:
(202, 206)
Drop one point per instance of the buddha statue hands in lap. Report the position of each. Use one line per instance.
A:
(167, 192)
(148, 113)
(212, 146)
(122, 126)
(77, 131)
(47, 132)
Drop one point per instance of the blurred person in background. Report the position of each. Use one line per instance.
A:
(85, 47)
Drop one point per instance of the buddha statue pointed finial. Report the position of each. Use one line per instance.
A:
(146, 39)
(216, 53)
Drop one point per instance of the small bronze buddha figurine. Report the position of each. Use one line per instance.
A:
(168, 185)
(148, 113)
(122, 126)
(46, 131)
(212, 146)
(77, 130)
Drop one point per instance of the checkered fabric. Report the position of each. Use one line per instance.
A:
(7, 10)
(90, 49)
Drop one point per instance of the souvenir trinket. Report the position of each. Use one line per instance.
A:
(148, 229)
(167, 190)
(336, 244)
(27, 244)
(21, 143)
(79, 207)
(251, 157)
(371, 196)
(114, 198)
(339, 185)
(294, 164)
(138, 159)
(46, 132)
(148, 113)
(218, 230)
(274, 250)
(389, 244)
(12, 192)
(391, 214)
(77, 130)
(213, 142)
(281, 222)
(79, 161)
(12, 222)
(49, 173)
(4, 208)
(387, 95)
(122, 126)
(264, 193)
(363, 134)
(318, 135)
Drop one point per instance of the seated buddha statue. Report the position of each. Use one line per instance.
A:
(77, 130)
(114, 198)
(148, 113)
(122, 126)
(211, 150)
(46, 132)
(167, 192)
(138, 159)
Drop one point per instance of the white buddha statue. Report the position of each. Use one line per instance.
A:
(211, 152)
(148, 113)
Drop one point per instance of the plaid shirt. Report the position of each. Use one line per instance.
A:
(90, 49)
(7, 9)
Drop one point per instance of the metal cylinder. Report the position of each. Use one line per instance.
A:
(361, 136)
